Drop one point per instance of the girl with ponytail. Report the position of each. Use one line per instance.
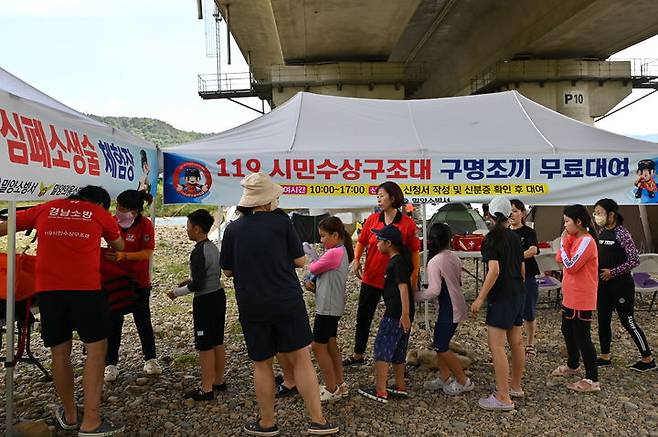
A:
(444, 286)
(331, 272)
(578, 254)
(139, 235)
(504, 294)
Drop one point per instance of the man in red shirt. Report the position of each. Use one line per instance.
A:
(68, 283)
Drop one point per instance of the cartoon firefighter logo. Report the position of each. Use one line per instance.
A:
(192, 179)
(646, 169)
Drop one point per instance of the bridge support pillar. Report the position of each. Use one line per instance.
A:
(582, 90)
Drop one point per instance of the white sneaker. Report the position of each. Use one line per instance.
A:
(111, 373)
(151, 367)
(344, 390)
(437, 384)
(327, 396)
(455, 388)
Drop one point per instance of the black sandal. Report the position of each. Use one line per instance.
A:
(200, 395)
(254, 428)
(351, 361)
(283, 392)
(219, 387)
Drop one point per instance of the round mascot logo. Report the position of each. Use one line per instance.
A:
(192, 179)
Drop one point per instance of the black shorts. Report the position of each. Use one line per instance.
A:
(209, 312)
(265, 339)
(443, 333)
(325, 327)
(62, 312)
(506, 311)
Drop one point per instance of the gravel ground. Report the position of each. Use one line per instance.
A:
(627, 405)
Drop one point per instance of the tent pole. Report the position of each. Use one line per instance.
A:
(152, 211)
(423, 209)
(9, 358)
(644, 217)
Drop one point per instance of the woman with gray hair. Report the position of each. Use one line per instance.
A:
(260, 251)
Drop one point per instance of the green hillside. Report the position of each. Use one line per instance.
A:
(155, 131)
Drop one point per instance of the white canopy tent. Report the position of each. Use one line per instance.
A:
(332, 152)
(48, 150)
(325, 149)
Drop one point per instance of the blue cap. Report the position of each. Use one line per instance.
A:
(389, 233)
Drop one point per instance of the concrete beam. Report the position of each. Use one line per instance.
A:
(254, 29)
(340, 30)
(474, 34)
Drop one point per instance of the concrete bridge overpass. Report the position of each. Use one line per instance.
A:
(553, 51)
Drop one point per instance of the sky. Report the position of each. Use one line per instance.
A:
(141, 58)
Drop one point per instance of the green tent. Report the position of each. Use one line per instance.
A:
(460, 216)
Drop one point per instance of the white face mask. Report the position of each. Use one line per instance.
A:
(600, 220)
(125, 219)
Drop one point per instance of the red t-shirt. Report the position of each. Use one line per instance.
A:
(376, 262)
(68, 253)
(138, 237)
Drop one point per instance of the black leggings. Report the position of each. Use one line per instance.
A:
(369, 298)
(142, 318)
(576, 328)
(619, 295)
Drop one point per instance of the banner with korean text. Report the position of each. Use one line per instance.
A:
(46, 153)
(343, 181)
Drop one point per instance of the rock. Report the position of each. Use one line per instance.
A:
(629, 406)
(169, 425)
(189, 403)
(33, 429)
(563, 351)
(163, 412)
(141, 381)
(113, 399)
(136, 389)
(459, 426)
(362, 434)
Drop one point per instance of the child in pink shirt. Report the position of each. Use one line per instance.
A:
(331, 271)
(444, 282)
(579, 256)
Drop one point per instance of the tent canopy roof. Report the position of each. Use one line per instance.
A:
(490, 124)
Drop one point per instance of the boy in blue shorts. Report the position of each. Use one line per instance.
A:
(394, 329)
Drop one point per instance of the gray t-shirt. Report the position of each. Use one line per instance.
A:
(331, 270)
(204, 270)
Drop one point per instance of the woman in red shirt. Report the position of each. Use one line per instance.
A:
(139, 235)
(389, 201)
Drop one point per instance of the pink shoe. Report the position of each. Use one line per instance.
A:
(585, 386)
(493, 404)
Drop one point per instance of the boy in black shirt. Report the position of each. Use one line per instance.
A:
(393, 334)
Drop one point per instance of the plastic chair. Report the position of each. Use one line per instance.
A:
(645, 275)
(547, 282)
(25, 318)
